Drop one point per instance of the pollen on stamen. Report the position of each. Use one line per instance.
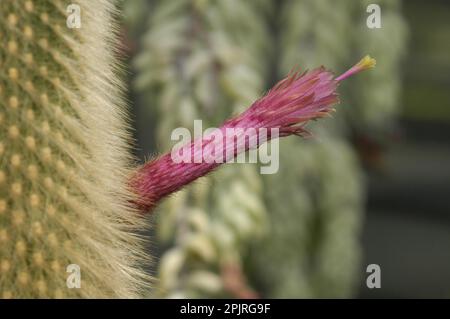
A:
(364, 64)
(367, 63)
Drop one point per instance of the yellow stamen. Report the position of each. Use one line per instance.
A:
(367, 63)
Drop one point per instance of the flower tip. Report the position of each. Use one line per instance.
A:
(367, 63)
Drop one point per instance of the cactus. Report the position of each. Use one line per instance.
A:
(64, 159)
(66, 196)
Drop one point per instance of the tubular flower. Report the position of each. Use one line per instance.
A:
(283, 111)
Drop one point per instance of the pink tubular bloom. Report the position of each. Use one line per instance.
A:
(287, 108)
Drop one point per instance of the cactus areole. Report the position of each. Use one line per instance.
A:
(287, 107)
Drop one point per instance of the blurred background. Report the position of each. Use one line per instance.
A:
(369, 188)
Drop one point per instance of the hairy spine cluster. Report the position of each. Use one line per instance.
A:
(64, 161)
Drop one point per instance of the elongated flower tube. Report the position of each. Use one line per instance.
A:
(283, 111)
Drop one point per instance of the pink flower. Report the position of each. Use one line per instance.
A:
(286, 108)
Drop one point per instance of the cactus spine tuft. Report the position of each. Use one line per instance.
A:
(64, 157)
